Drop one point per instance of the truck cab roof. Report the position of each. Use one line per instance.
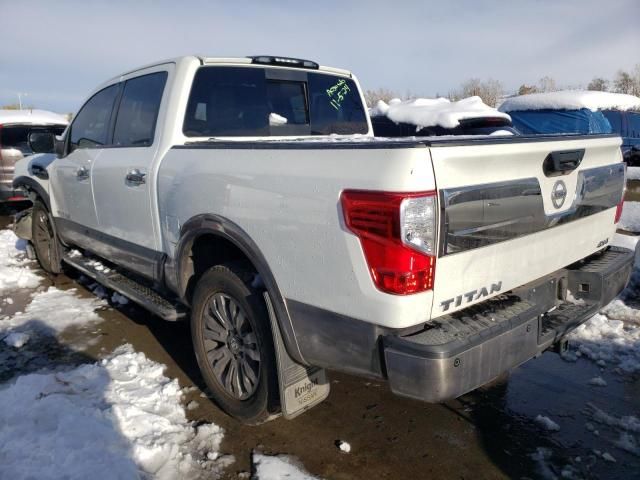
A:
(263, 60)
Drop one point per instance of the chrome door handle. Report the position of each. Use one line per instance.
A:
(135, 177)
(82, 173)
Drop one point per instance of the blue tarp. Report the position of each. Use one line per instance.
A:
(560, 121)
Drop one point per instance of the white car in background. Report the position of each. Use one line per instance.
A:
(15, 128)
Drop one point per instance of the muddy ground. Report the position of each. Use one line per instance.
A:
(490, 433)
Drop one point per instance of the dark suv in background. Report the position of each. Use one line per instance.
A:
(15, 127)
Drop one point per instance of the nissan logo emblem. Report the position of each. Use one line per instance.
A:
(558, 194)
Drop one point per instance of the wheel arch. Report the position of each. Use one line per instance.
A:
(235, 241)
(31, 185)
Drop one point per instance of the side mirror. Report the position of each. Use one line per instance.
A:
(41, 142)
(59, 146)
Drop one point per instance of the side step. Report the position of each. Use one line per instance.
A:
(138, 293)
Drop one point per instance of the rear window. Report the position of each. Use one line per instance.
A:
(17, 136)
(248, 102)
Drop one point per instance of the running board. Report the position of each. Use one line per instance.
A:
(301, 387)
(136, 292)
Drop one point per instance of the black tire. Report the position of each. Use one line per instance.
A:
(235, 353)
(45, 242)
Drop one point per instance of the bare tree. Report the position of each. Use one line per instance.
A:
(384, 94)
(489, 90)
(547, 84)
(636, 80)
(526, 89)
(598, 84)
(624, 82)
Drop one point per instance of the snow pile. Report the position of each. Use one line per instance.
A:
(344, 447)
(571, 100)
(55, 310)
(607, 341)
(547, 423)
(618, 310)
(630, 219)
(16, 339)
(119, 418)
(14, 266)
(40, 117)
(598, 382)
(429, 112)
(278, 467)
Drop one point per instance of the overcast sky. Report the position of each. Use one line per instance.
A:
(58, 51)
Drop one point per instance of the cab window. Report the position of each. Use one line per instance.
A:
(138, 111)
(90, 128)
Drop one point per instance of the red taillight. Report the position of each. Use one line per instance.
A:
(619, 208)
(399, 266)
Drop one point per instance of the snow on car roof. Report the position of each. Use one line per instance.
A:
(35, 117)
(431, 112)
(571, 100)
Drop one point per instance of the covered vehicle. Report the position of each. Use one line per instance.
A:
(15, 128)
(427, 117)
(579, 112)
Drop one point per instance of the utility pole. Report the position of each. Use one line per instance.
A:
(20, 99)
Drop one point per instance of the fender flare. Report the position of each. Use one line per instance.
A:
(31, 184)
(224, 228)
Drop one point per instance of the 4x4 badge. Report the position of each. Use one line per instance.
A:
(558, 193)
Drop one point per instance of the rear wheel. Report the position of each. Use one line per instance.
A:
(233, 343)
(44, 240)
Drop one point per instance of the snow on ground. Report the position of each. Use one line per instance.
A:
(633, 173)
(429, 112)
(278, 467)
(14, 265)
(571, 100)
(608, 343)
(54, 310)
(118, 418)
(630, 219)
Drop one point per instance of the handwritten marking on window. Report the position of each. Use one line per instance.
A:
(338, 93)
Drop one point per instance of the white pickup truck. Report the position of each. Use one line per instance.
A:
(249, 195)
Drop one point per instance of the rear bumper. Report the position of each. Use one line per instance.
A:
(9, 194)
(464, 350)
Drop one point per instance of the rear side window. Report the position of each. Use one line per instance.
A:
(245, 101)
(91, 126)
(138, 110)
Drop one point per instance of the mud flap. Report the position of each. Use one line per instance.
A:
(22, 225)
(301, 387)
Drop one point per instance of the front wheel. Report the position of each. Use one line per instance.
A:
(233, 344)
(43, 237)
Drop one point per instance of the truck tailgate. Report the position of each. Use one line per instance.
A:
(512, 212)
